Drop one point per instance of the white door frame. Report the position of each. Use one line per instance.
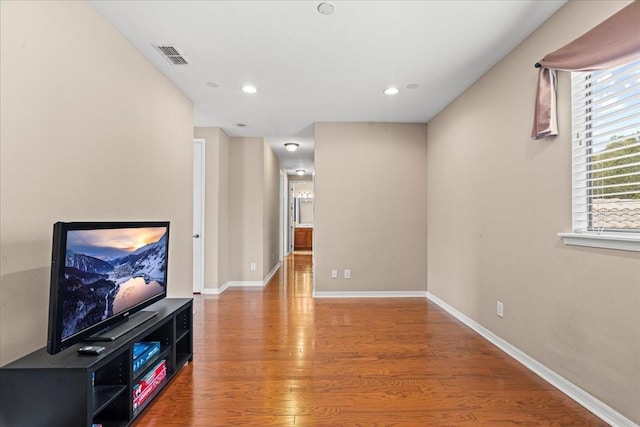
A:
(283, 215)
(198, 214)
(290, 214)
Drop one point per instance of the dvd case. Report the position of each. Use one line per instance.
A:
(143, 352)
(142, 389)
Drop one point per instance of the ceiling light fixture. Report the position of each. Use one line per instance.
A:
(326, 8)
(249, 89)
(391, 91)
(291, 146)
(212, 84)
(300, 171)
(412, 86)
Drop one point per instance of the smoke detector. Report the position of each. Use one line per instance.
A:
(326, 8)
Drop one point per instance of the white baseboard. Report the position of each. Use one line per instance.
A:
(211, 291)
(233, 284)
(597, 407)
(271, 273)
(215, 291)
(224, 287)
(380, 294)
(242, 283)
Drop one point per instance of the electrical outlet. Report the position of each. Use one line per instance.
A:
(334, 274)
(499, 309)
(253, 266)
(347, 274)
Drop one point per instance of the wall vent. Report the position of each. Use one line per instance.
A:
(172, 54)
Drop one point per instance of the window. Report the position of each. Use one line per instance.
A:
(606, 153)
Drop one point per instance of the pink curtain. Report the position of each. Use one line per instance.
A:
(614, 42)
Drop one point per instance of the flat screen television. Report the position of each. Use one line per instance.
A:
(102, 275)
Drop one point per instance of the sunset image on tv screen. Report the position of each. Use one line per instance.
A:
(107, 271)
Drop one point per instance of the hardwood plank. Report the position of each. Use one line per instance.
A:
(276, 356)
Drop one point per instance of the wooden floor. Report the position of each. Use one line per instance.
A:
(276, 356)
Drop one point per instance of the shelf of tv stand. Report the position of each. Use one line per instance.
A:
(69, 389)
(105, 394)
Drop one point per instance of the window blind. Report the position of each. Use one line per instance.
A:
(606, 149)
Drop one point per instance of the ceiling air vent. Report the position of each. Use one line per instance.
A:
(173, 55)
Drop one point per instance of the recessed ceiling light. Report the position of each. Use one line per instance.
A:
(326, 8)
(300, 171)
(241, 125)
(412, 86)
(391, 91)
(212, 84)
(291, 146)
(249, 89)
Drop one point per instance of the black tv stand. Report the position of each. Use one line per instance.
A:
(69, 389)
(119, 329)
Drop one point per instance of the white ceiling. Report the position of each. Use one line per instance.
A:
(310, 67)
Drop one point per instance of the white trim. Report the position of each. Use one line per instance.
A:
(216, 291)
(211, 291)
(232, 284)
(241, 283)
(364, 294)
(621, 241)
(271, 273)
(244, 284)
(224, 287)
(597, 407)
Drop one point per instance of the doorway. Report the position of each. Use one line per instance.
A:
(302, 210)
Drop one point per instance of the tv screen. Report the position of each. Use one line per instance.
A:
(102, 273)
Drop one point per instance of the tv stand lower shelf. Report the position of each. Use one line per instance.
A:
(69, 389)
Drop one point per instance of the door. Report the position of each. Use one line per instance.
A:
(198, 214)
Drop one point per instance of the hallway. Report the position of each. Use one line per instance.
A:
(276, 356)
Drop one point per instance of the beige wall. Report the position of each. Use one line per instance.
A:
(371, 210)
(496, 200)
(216, 268)
(297, 178)
(304, 186)
(271, 226)
(89, 130)
(224, 213)
(246, 208)
(254, 193)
